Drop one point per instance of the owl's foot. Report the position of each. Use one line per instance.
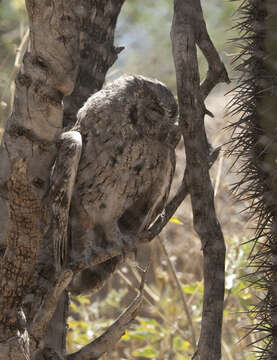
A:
(125, 244)
(129, 248)
(101, 245)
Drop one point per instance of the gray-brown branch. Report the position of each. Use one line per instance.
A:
(188, 29)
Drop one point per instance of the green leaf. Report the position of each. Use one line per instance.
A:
(182, 357)
(72, 324)
(74, 307)
(180, 345)
(148, 352)
(147, 322)
(82, 339)
(83, 300)
(126, 336)
(192, 288)
(144, 335)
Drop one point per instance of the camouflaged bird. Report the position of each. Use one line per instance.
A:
(126, 167)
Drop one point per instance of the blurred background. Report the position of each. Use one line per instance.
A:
(163, 330)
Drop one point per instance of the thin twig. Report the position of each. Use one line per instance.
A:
(158, 309)
(190, 300)
(218, 175)
(17, 64)
(147, 288)
(181, 293)
(227, 350)
(172, 206)
(169, 211)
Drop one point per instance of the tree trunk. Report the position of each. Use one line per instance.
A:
(57, 68)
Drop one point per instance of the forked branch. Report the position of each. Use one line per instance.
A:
(188, 30)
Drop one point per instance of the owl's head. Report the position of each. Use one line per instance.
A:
(139, 105)
(149, 105)
(158, 98)
(155, 106)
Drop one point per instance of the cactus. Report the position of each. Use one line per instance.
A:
(254, 143)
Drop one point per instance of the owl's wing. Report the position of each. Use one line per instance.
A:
(62, 181)
(159, 202)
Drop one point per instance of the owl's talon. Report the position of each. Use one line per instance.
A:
(129, 249)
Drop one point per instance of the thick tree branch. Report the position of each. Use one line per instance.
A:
(24, 236)
(188, 29)
(97, 52)
(48, 73)
(180, 291)
(43, 316)
(217, 72)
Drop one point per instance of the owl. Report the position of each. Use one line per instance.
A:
(127, 163)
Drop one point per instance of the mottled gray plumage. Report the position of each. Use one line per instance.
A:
(126, 166)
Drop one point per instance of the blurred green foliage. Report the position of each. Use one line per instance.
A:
(13, 24)
(162, 331)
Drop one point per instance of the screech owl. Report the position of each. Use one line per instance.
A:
(127, 163)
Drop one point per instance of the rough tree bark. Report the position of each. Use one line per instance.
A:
(58, 74)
